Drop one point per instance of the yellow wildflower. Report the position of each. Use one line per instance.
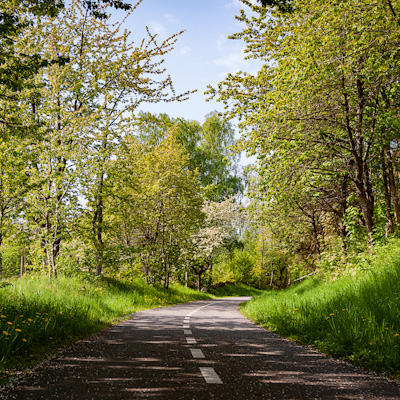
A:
(9, 323)
(24, 340)
(30, 320)
(6, 333)
(18, 330)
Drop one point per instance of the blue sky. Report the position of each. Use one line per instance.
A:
(203, 55)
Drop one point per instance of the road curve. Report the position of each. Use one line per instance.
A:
(200, 350)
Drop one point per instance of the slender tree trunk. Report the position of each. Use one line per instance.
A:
(315, 233)
(392, 186)
(97, 226)
(365, 198)
(271, 281)
(198, 281)
(388, 203)
(342, 211)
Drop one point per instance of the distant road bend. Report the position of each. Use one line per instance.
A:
(201, 350)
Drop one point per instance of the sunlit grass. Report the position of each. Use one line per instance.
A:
(38, 315)
(356, 317)
(235, 289)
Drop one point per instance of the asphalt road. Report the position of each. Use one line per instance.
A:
(201, 350)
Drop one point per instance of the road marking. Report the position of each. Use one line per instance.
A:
(191, 340)
(210, 375)
(186, 326)
(187, 332)
(197, 353)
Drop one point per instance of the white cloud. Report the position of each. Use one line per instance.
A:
(233, 3)
(171, 18)
(185, 50)
(157, 28)
(232, 61)
(220, 42)
(238, 4)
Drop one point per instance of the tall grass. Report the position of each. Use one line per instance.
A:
(355, 317)
(38, 315)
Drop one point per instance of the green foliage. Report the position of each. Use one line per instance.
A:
(207, 146)
(354, 316)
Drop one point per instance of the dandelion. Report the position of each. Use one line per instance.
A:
(24, 340)
(9, 323)
(296, 309)
(364, 319)
(6, 333)
(327, 317)
(3, 316)
(371, 343)
(18, 330)
(396, 334)
(387, 329)
(343, 309)
(30, 320)
(21, 316)
(331, 314)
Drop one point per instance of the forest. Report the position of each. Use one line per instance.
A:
(89, 184)
(92, 186)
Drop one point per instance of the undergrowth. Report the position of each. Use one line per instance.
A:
(353, 317)
(235, 289)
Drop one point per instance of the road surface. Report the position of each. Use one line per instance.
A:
(200, 350)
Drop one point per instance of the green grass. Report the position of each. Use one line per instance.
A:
(356, 318)
(37, 316)
(235, 289)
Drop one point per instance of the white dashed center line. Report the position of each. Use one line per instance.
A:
(197, 353)
(210, 375)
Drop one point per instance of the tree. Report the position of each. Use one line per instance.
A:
(328, 68)
(154, 205)
(81, 109)
(207, 146)
(224, 222)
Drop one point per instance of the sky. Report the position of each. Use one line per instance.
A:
(203, 54)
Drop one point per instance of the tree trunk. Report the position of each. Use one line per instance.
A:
(392, 186)
(389, 228)
(315, 233)
(365, 198)
(97, 226)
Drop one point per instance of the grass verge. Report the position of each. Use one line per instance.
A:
(235, 289)
(38, 316)
(355, 318)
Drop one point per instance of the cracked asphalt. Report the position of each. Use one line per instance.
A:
(200, 350)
